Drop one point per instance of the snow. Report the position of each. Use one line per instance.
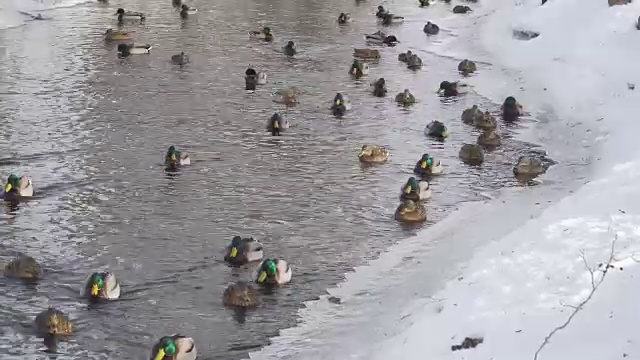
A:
(516, 290)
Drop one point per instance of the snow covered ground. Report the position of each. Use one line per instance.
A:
(542, 292)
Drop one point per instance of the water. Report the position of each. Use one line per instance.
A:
(91, 131)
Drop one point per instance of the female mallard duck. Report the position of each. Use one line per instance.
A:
(405, 98)
(511, 109)
(273, 272)
(489, 138)
(17, 187)
(240, 294)
(129, 15)
(174, 158)
(174, 347)
(372, 154)
(102, 285)
(290, 49)
(379, 88)
(276, 124)
(381, 11)
(428, 166)
(340, 105)
(461, 9)
(264, 34)
(359, 68)
(528, 167)
(404, 57)
(436, 129)
(410, 212)
(344, 18)
(53, 322)
(243, 251)
(431, 28)
(180, 59)
(455, 88)
(289, 97)
(485, 122)
(391, 19)
(471, 115)
(125, 50)
(414, 62)
(366, 54)
(471, 154)
(415, 190)
(23, 267)
(111, 35)
(467, 67)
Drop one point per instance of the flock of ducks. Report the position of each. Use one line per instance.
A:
(53, 324)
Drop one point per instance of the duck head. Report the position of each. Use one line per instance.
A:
(13, 184)
(266, 30)
(236, 242)
(184, 7)
(445, 86)
(510, 102)
(250, 72)
(380, 83)
(366, 151)
(411, 186)
(268, 270)
(165, 348)
(338, 100)
(425, 161)
(291, 45)
(97, 284)
(120, 11)
(276, 121)
(406, 95)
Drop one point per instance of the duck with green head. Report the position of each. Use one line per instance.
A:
(427, 166)
(436, 129)
(359, 68)
(175, 158)
(243, 251)
(511, 109)
(273, 272)
(415, 190)
(102, 285)
(174, 347)
(17, 187)
(264, 34)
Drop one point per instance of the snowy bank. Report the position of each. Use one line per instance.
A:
(541, 292)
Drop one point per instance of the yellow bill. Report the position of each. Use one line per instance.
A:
(446, 134)
(423, 164)
(8, 188)
(173, 157)
(407, 190)
(234, 252)
(276, 124)
(160, 354)
(262, 277)
(94, 290)
(338, 102)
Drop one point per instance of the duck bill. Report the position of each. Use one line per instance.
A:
(423, 164)
(445, 134)
(173, 157)
(407, 190)
(276, 124)
(159, 355)
(262, 277)
(362, 153)
(8, 188)
(94, 290)
(234, 252)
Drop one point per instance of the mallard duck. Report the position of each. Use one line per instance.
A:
(188, 9)
(265, 34)
(391, 19)
(242, 251)
(467, 67)
(174, 347)
(379, 88)
(180, 59)
(415, 190)
(240, 294)
(276, 124)
(431, 28)
(455, 88)
(489, 138)
(125, 50)
(174, 158)
(461, 9)
(427, 166)
(436, 129)
(273, 272)
(424, 3)
(372, 154)
(529, 167)
(414, 62)
(103, 285)
(470, 115)
(17, 187)
(290, 49)
(381, 12)
(405, 98)
(359, 68)
(53, 322)
(367, 54)
(485, 122)
(340, 105)
(111, 35)
(410, 212)
(404, 57)
(23, 267)
(344, 18)
(129, 15)
(289, 97)
(471, 154)
(511, 109)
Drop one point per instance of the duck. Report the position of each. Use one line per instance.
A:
(100, 286)
(379, 88)
(23, 267)
(111, 35)
(416, 190)
(53, 322)
(344, 18)
(18, 187)
(404, 57)
(414, 62)
(381, 12)
(273, 272)
(180, 59)
(489, 138)
(471, 154)
(250, 79)
(188, 9)
(174, 347)
(380, 38)
(125, 50)
(449, 89)
(467, 67)
(410, 211)
(242, 251)
(470, 115)
(276, 124)
(359, 68)
(289, 98)
(391, 19)
(173, 159)
(485, 122)
(241, 295)
(373, 154)
(126, 15)
(340, 105)
(461, 9)
(290, 49)
(405, 98)
(511, 109)
(431, 28)
(424, 3)
(427, 165)
(528, 167)
(265, 34)
(366, 54)
(436, 129)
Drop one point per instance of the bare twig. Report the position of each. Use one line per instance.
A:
(594, 287)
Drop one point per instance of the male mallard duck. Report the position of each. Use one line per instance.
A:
(188, 9)
(102, 285)
(366, 54)
(276, 124)
(414, 62)
(410, 212)
(372, 154)
(391, 19)
(449, 89)
(53, 322)
(489, 138)
(23, 267)
(436, 129)
(125, 50)
(111, 35)
(273, 272)
(415, 190)
(242, 251)
(461, 9)
(471, 154)
(174, 158)
(129, 15)
(359, 68)
(340, 105)
(264, 34)
(253, 78)
(428, 166)
(344, 18)
(405, 98)
(431, 28)
(511, 109)
(240, 294)
(174, 347)
(17, 187)
(381, 12)
(529, 167)
(379, 88)
(404, 57)
(290, 49)
(466, 67)
(180, 59)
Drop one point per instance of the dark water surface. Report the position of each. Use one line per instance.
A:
(91, 131)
